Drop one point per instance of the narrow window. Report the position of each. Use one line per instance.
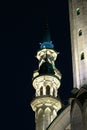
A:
(78, 11)
(41, 91)
(82, 56)
(80, 32)
(48, 90)
(53, 92)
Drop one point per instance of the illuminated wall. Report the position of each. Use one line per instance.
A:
(78, 30)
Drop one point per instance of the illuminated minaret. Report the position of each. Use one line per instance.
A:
(78, 30)
(46, 81)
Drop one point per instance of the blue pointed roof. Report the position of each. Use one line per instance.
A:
(47, 43)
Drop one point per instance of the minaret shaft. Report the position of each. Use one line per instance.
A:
(45, 108)
(46, 81)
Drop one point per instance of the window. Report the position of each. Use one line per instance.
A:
(53, 92)
(47, 90)
(41, 91)
(82, 56)
(80, 32)
(78, 11)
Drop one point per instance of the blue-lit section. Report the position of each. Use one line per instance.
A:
(47, 44)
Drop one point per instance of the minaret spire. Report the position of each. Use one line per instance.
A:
(47, 36)
(46, 81)
(47, 43)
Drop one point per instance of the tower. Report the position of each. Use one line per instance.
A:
(78, 30)
(46, 81)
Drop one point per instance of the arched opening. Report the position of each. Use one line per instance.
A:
(82, 56)
(80, 32)
(47, 116)
(53, 92)
(41, 91)
(39, 119)
(78, 11)
(47, 90)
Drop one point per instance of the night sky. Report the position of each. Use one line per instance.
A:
(22, 27)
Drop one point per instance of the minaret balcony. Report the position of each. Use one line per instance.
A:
(47, 79)
(46, 101)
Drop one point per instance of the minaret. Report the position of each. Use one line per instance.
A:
(78, 30)
(46, 81)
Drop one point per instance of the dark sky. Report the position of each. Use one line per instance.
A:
(22, 27)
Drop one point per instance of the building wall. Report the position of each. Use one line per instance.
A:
(78, 30)
(62, 121)
(78, 112)
(85, 114)
(76, 116)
